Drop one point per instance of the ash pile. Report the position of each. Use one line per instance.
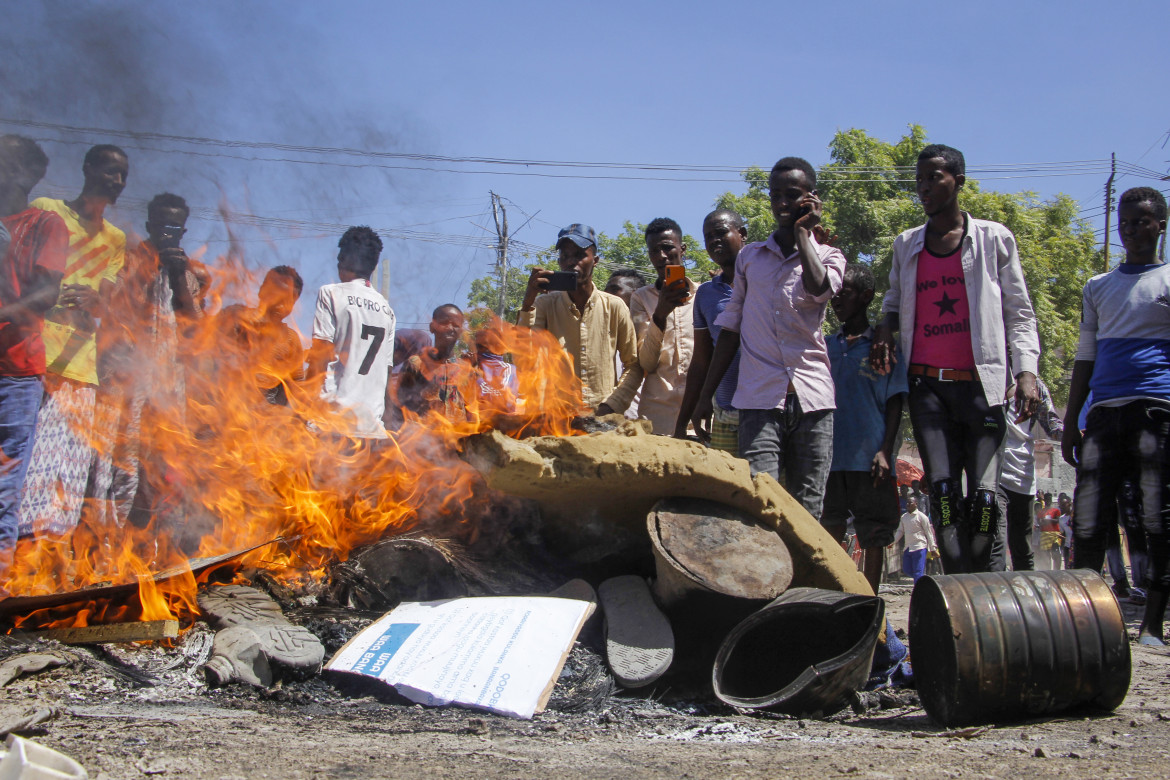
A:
(612, 569)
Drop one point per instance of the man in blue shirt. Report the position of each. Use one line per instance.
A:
(1124, 359)
(724, 234)
(865, 432)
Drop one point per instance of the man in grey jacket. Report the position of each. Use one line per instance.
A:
(957, 295)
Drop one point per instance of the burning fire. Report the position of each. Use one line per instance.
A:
(235, 471)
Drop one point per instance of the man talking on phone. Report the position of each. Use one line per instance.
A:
(590, 324)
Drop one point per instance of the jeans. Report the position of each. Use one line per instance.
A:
(20, 398)
(958, 433)
(1015, 532)
(794, 447)
(1130, 441)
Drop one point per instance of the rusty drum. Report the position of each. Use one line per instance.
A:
(1011, 645)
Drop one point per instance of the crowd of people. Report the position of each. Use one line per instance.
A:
(741, 362)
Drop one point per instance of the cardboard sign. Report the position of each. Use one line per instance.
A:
(500, 654)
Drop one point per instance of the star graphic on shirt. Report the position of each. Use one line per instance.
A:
(946, 305)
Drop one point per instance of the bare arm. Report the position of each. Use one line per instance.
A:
(1078, 393)
(696, 374)
(883, 461)
(320, 353)
(814, 275)
(725, 349)
(38, 299)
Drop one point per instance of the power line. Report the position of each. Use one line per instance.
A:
(832, 170)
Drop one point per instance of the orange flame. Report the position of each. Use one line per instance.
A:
(226, 469)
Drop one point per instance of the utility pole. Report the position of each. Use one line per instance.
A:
(500, 215)
(1109, 207)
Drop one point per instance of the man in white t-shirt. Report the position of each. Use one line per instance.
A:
(353, 336)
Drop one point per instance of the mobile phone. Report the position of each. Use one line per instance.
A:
(170, 236)
(562, 280)
(673, 273)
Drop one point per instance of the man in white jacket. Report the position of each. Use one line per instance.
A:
(958, 296)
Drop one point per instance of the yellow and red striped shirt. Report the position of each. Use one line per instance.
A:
(96, 253)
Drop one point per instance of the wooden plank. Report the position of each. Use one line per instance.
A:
(113, 632)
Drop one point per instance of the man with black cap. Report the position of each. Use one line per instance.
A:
(590, 324)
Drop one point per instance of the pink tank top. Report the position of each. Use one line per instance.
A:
(942, 317)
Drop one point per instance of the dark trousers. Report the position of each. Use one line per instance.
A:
(1018, 511)
(959, 433)
(1130, 441)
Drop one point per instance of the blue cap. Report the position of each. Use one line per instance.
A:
(581, 235)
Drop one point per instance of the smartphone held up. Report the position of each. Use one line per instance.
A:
(562, 280)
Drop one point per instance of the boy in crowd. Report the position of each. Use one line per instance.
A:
(437, 379)
(957, 295)
(1064, 503)
(1017, 480)
(785, 389)
(69, 421)
(724, 234)
(141, 360)
(265, 345)
(353, 336)
(32, 262)
(589, 323)
(915, 528)
(663, 324)
(865, 429)
(497, 384)
(623, 283)
(1124, 359)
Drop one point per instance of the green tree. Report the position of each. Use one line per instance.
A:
(485, 292)
(869, 195)
(753, 205)
(628, 250)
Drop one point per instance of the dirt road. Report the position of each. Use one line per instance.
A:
(309, 730)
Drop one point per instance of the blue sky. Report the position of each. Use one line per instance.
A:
(729, 84)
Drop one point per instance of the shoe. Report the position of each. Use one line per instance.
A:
(1137, 597)
(1121, 590)
(639, 643)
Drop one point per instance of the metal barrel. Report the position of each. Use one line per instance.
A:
(715, 565)
(806, 652)
(1012, 645)
(705, 548)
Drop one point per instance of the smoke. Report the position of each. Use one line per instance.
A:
(237, 72)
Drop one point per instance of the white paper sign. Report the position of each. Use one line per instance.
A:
(501, 654)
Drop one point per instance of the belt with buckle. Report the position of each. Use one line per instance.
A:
(941, 374)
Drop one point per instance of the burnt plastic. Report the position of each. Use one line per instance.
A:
(1003, 646)
(806, 652)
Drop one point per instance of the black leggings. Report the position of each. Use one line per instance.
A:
(959, 433)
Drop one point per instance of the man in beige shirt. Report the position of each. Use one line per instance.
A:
(663, 321)
(590, 324)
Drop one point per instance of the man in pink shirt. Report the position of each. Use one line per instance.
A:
(785, 391)
(957, 295)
